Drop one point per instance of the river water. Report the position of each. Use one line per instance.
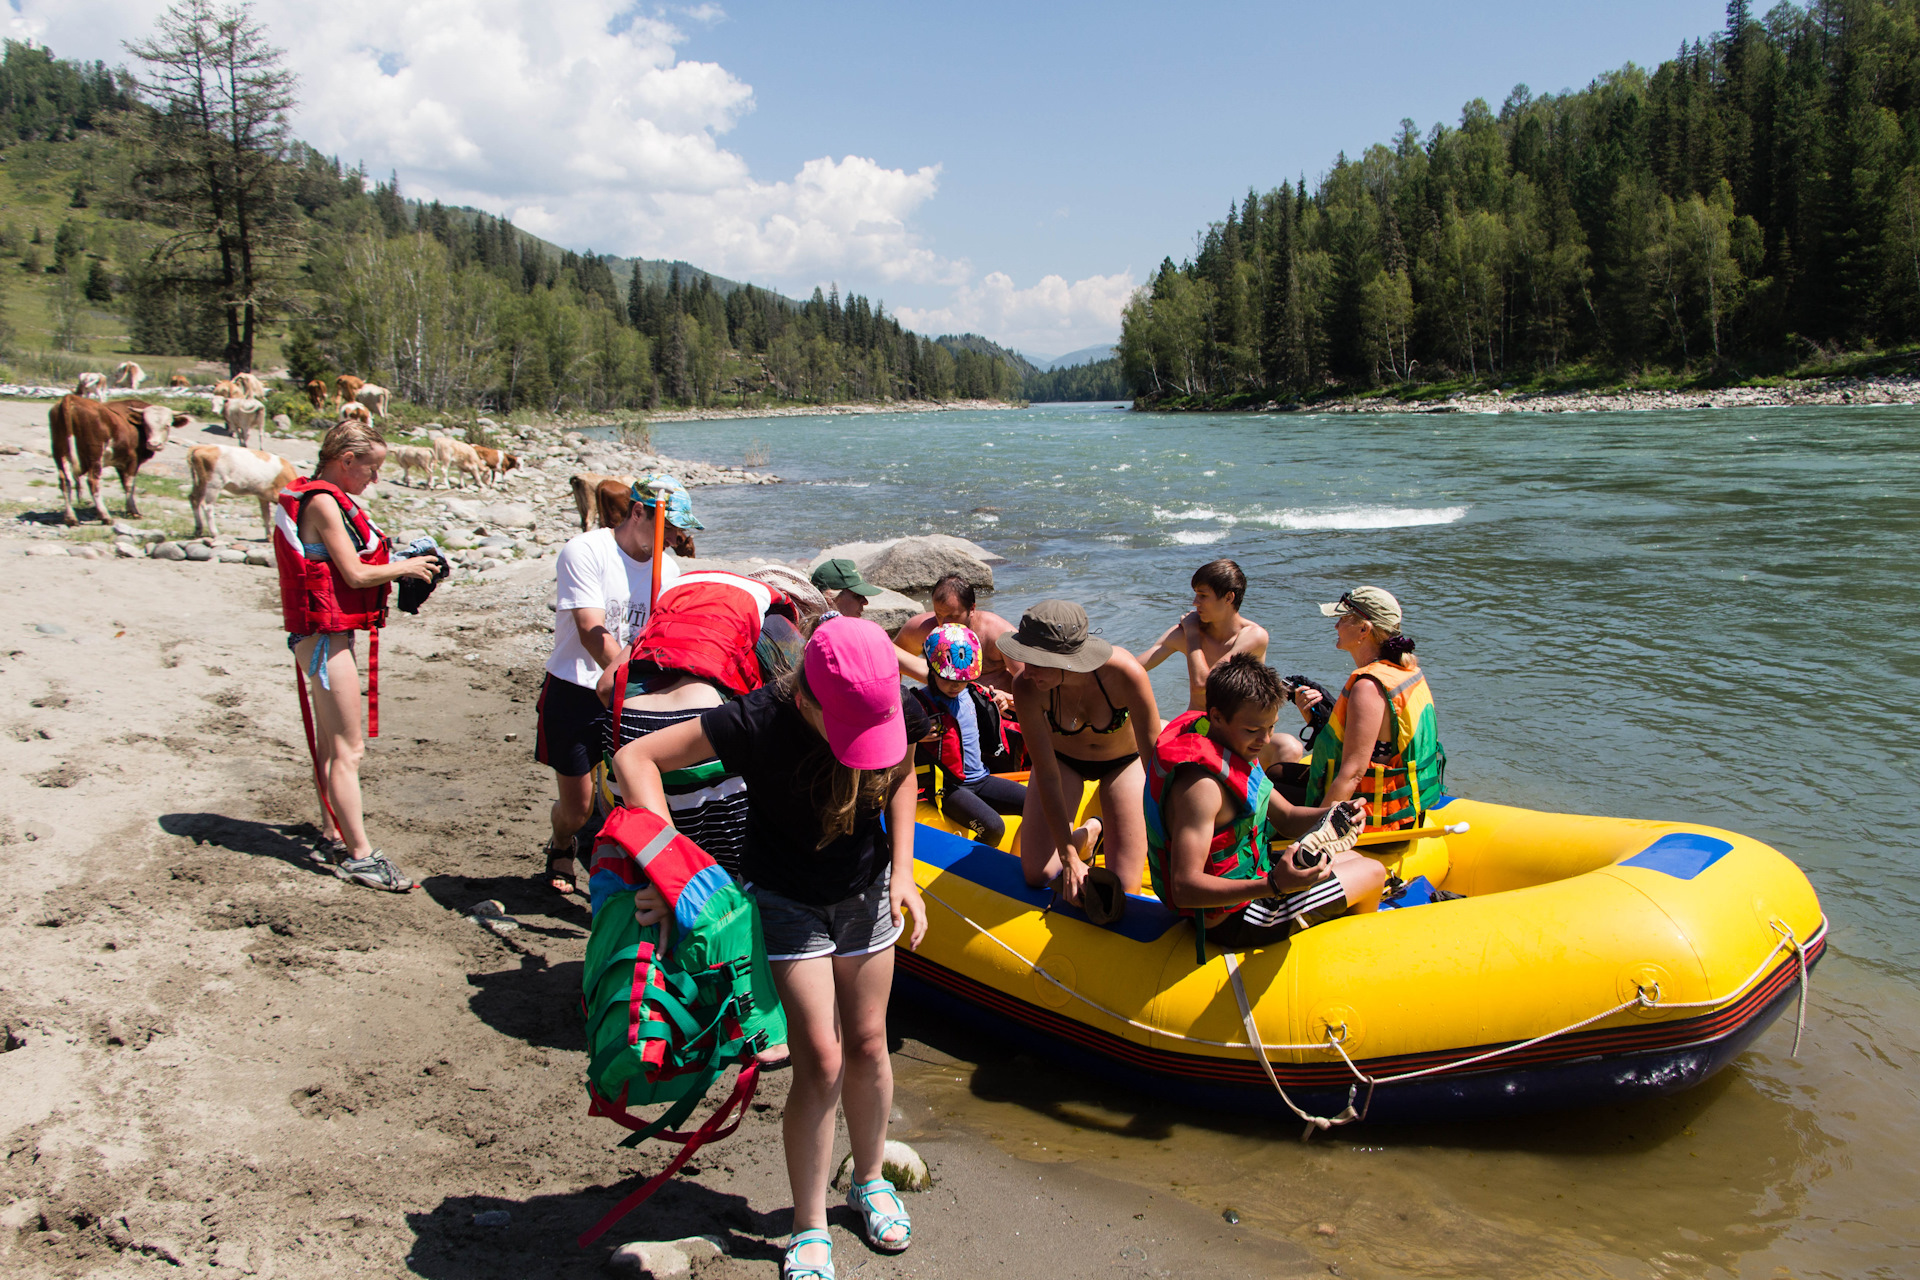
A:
(1708, 615)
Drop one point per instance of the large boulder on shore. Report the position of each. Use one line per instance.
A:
(503, 515)
(861, 552)
(915, 564)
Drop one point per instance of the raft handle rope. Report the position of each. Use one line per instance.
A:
(1642, 998)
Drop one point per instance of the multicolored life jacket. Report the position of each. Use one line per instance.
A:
(706, 625)
(1409, 769)
(666, 1018)
(1238, 853)
(1002, 749)
(314, 598)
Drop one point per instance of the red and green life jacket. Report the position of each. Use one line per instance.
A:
(1409, 770)
(1237, 853)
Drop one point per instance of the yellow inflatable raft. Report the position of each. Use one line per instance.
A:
(1591, 960)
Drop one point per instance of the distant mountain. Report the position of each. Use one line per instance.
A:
(973, 342)
(1085, 355)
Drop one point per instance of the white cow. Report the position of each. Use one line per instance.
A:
(411, 458)
(375, 398)
(130, 375)
(92, 386)
(450, 453)
(244, 417)
(221, 468)
(249, 385)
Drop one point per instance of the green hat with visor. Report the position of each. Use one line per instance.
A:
(842, 575)
(1370, 603)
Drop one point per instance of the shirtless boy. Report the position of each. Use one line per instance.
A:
(1213, 632)
(953, 605)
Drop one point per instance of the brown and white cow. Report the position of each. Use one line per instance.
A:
(178, 380)
(356, 411)
(317, 394)
(226, 389)
(91, 385)
(497, 462)
(221, 468)
(346, 387)
(375, 398)
(250, 385)
(128, 374)
(584, 485)
(243, 418)
(85, 434)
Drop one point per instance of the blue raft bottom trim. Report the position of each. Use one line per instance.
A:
(1600, 1080)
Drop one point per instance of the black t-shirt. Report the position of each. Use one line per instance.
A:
(788, 771)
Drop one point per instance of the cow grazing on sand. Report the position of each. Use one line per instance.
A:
(346, 387)
(85, 435)
(177, 380)
(584, 484)
(244, 417)
(130, 375)
(91, 385)
(220, 468)
(450, 453)
(316, 394)
(375, 398)
(250, 385)
(356, 411)
(411, 458)
(496, 462)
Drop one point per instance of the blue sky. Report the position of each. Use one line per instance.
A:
(1011, 169)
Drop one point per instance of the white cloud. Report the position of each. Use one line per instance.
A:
(1051, 318)
(579, 120)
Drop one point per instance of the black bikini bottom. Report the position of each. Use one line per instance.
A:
(1096, 770)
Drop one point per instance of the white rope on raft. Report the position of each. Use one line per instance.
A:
(1641, 999)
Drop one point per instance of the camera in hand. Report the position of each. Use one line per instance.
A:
(1319, 713)
(414, 592)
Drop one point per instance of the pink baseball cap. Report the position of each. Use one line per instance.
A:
(855, 678)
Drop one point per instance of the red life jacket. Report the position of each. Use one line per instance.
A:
(313, 595)
(706, 624)
(1238, 853)
(1002, 750)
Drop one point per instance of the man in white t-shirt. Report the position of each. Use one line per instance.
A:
(605, 584)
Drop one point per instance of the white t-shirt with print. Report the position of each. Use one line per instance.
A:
(594, 573)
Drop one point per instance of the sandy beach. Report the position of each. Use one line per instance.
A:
(220, 1059)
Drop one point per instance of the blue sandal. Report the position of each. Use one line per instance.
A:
(791, 1268)
(864, 1198)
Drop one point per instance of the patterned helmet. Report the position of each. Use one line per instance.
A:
(953, 651)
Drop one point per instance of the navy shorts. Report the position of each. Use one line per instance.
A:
(572, 730)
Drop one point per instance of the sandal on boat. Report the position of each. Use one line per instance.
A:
(864, 1198)
(791, 1268)
(375, 872)
(566, 882)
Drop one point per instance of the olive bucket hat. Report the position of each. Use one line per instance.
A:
(1054, 633)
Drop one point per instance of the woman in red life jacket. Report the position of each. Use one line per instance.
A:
(335, 570)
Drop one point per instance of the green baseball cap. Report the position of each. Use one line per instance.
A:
(1375, 605)
(843, 575)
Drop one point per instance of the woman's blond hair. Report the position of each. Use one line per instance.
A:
(839, 794)
(349, 438)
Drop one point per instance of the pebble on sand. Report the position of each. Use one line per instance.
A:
(1326, 1229)
(660, 1259)
(900, 1164)
(492, 1218)
(169, 551)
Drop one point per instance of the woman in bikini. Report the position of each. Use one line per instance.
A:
(1077, 698)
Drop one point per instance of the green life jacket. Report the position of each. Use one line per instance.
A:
(665, 1017)
(1408, 773)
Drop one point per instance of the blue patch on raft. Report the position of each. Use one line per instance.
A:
(1682, 855)
(1146, 918)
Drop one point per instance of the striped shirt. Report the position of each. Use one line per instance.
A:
(708, 805)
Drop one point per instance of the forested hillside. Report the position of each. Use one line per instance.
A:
(114, 250)
(1751, 205)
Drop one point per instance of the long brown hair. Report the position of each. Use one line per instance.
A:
(840, 795)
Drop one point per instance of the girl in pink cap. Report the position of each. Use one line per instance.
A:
(829, 857)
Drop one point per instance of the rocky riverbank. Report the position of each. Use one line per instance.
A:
(1830, 391)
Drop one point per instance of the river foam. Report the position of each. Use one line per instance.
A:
(1339, 518)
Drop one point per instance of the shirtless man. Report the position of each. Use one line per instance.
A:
(1211, 634)
(953, 603)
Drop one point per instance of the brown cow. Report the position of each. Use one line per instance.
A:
(584, 484)
(613, 500)
(346, 387)
(85, 433)
(317, 394)
(177, 380)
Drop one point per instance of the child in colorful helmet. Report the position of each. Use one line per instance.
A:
(971, 742)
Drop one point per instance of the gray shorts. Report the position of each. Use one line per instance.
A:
(856, 926)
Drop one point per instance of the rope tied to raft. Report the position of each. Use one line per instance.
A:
(1646, 996)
